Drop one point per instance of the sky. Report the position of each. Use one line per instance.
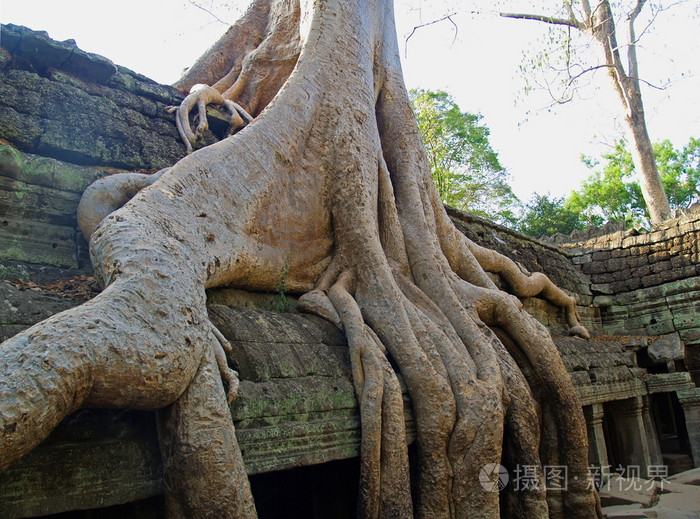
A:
(476, 60)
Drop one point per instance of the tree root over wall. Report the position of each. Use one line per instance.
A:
(330, 180)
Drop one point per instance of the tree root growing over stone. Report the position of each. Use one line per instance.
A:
(331, 177)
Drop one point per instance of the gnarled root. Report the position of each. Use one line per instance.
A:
(471, 262)
(201, 96)
(384, 479)
(245, 68)
(203, 469)
(109, 352)
(524, 284)
(454, 366)
(106, 195)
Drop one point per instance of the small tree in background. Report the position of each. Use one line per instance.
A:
(585, 38)
(680, 172)
(612, 193)
(465, 168)
(609, 194)
(546, 216)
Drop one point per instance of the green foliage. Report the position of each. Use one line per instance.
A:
(612, 193)
(465, 167)
(680, 172)
(545, 216)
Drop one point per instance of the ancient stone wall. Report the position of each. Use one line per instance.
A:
(647, 284)
(68, 117)
(61, 102)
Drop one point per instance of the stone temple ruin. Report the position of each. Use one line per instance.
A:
(68, 118)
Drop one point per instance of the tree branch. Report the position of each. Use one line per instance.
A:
(446, 17)
(195, 4)
(632, 64)
(570, 22)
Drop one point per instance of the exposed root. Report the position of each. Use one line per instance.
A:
(106, 195)
(384, 476)
(200, 452)
(524, 284)
(471, 262)
(317, 302)
(245, 69)
(201, 96)
(229, 376)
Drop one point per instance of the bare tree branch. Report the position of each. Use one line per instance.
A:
(542, 18)
(632, 64)
(446, 17)
(195, 4)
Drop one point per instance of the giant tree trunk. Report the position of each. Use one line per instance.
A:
(330, 180)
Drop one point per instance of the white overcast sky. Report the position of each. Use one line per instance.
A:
(159, 38)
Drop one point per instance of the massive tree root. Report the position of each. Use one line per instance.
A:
(333, 172)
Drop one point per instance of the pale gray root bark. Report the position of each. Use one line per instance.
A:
(106, 195)
(197, 437)
(331, 180)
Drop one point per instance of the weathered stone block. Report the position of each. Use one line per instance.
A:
(79, 122)
(686, 228)
(637, 261)
(633, 283)
(40, 52)
(595, 267)
(38, 242)
(650, 281)
(23, 130)
(620, 253)
(92, 67)
(661, 327)
(602, 288)
(668, 276)
(665, 382)
(668, 348)
(678, 262)
(657, 256)
(690, 335)
(661, 266)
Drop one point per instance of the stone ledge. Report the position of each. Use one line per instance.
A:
(296, 407)
(61, 102)
(689, 397)
(607, 392)
(36, 51)
(666, 382)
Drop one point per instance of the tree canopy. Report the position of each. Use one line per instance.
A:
(613, 193)
(545, 215)
(465, 167)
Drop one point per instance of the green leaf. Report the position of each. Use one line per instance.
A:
(466, 169)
